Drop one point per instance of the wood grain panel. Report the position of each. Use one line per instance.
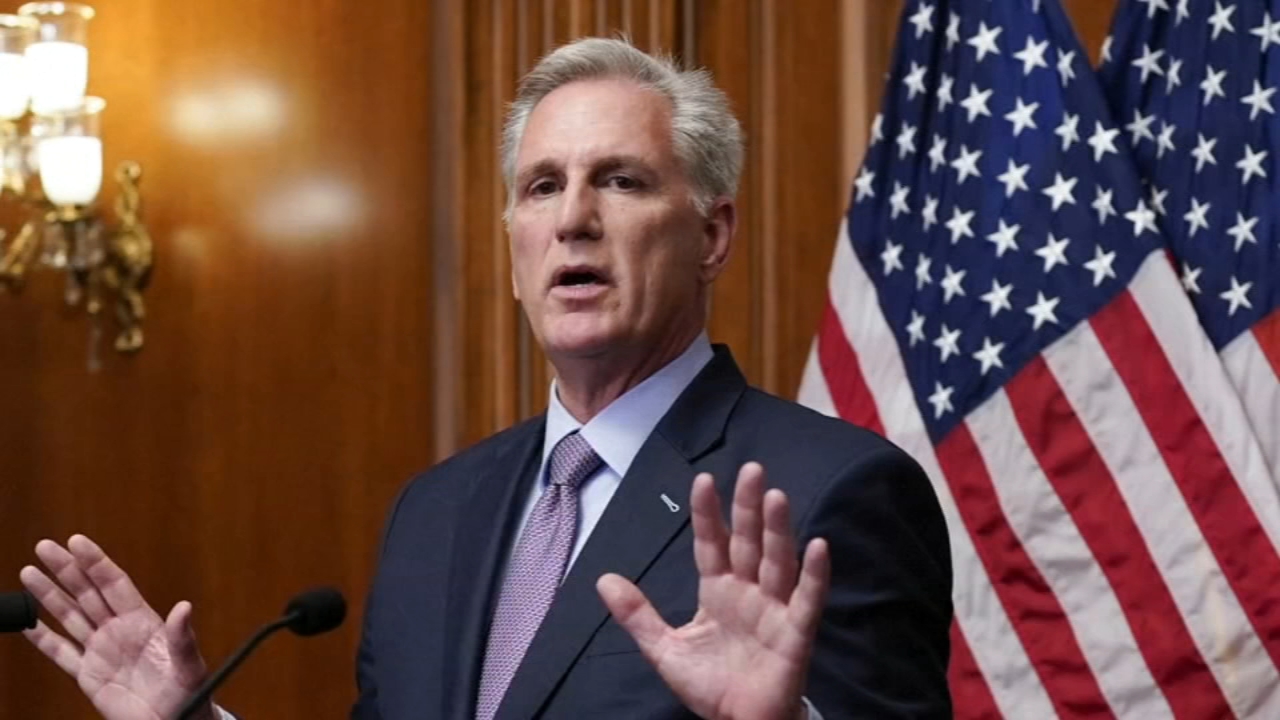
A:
(252, 449)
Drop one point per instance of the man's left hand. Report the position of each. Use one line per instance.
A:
(745, 655)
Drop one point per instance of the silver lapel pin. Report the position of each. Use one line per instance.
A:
(671, 504)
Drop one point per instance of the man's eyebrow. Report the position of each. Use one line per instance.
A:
(542, 167)
(612, 162)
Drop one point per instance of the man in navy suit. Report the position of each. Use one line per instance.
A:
(563, 568)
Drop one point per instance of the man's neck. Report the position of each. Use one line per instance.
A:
(586, 386)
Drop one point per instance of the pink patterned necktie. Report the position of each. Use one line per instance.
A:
(535, 570)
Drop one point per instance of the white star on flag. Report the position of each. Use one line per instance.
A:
(1100, 265)
(929, 212)
(1173, 78)
(1190, 279)
(1140, 128)
(1204, 152)
(951, 284)
(915, 81)
(1212, 84)
(891, 257)
(1006, 238)
(959, 224)
(989, 355)
(1032, 56)
(1196, 217)
(899, 200)
(1021, 116)
(1221, 19)
(966, 163)
(1061, 191)
(944, 92)
(1238, 295)
(1043, 311)
(1065, 60)
(1143, 219)
(1102, 204)
(923, 20)
(1068, 130)
(941, 400)
(922, 271)
(863, 183)
(1242, 231)
(998, 297)
(1165, 141)
(1014, 178)
(985, 40)
(906, 141)
(948, 342)
(976, 102)
(937, 153)
(1103, 141)
(1268, 31)
(1251, 164)
(915, 328)
(1149, 63)
(1259, 100)
(1054, 252)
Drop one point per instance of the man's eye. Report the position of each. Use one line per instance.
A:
(623, 182)
(542, 187)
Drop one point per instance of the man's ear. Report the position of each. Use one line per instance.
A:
(515, 289)
(717, 237)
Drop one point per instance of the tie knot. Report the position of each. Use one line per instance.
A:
(572, 461)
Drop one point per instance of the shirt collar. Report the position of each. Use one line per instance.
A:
(617, 432)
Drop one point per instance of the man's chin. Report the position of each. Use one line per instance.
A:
(580, 342)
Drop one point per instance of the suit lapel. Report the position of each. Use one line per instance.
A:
(479, 552)
(635, 528)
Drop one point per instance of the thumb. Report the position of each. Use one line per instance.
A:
(181, 638)
(633, 611)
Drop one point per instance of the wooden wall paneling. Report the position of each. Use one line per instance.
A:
(724, 42)
(284, 394)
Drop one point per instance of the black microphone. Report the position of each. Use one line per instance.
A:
(311, 613)
(17, 611)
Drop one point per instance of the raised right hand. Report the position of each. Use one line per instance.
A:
(131, 663)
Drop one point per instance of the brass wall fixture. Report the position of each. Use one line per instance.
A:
(51, 168)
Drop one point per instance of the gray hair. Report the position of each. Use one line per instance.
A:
(706, 136)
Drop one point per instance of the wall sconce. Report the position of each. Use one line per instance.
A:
(51, 166)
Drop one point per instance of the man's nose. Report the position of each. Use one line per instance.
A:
(579, 217)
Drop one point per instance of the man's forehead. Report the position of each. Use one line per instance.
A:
(595, 119)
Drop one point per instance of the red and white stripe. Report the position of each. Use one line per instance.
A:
(1112, 519)
(1253, 363)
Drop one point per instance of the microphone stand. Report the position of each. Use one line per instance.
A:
(210, 684)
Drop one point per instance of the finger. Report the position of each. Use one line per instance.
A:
(112, 582)
(710, 536)
(182, 643)
(779, 566)
(57, 603)
(633, 611)
(744, 543)
(810, 595)
(66, 569)
(64, 653)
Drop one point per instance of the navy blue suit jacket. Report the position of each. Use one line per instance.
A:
(883, 644)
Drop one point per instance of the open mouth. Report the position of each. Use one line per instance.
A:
(579, 277)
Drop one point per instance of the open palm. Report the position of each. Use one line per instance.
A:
(745, 654)
(131, 663)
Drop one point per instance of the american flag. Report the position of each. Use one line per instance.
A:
(1002, 306)
(1195, 85)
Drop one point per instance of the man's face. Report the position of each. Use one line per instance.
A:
(608, 252)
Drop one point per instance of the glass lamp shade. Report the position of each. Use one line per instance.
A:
(58, 58)
(16, 34)
(69, 153)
